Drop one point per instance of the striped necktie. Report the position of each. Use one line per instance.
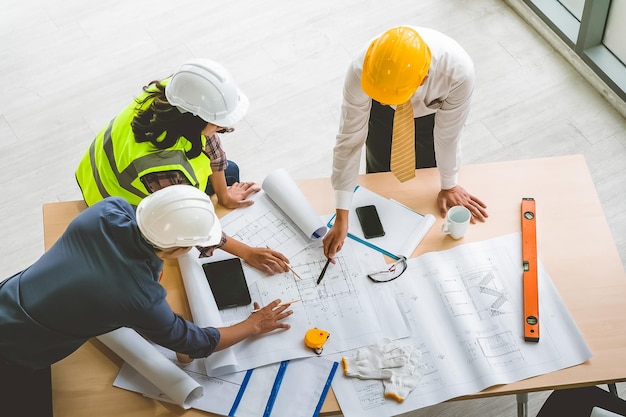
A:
(403, 143)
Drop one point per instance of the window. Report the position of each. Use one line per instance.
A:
(575, 7)
(615, 32)
(595, 30)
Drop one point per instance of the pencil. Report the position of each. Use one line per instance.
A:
(286, 303)
(323, 272)
(294, 272)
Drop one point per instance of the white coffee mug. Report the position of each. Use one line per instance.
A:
(456, 222)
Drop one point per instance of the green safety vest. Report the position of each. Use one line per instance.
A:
(114, 163)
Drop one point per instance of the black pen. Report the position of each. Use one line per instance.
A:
(323, 272)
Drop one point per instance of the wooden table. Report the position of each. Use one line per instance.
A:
(574, 244)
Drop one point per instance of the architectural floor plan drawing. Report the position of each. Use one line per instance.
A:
(281, 217)
(464, 308)
(344, 304)
(265, 230)
(499, 350)
(335, 298)
(341, 296)
(264, 225)
(479, 292)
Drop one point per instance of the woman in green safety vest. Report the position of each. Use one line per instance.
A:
(170, 135)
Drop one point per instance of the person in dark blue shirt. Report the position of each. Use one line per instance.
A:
(103, 274)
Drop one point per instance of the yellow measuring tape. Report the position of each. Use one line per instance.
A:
(529, 261)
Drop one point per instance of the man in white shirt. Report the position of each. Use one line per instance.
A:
(404, 64)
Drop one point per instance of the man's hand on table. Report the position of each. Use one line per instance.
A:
(458, 196)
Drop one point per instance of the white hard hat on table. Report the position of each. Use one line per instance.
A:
(179, 216)
(206, 89)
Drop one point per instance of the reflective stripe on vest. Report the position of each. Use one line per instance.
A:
(99, 175)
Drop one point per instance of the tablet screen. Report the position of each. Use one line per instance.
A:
(228, 283)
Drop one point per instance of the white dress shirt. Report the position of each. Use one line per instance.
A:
(447, 92)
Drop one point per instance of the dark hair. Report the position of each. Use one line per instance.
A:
(161, 117)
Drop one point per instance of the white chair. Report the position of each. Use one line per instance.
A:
(601, 412)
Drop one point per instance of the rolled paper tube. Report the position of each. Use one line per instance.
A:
(156, 368)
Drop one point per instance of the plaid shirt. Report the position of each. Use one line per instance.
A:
(158, 180)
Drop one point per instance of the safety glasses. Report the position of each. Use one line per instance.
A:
(394, 271)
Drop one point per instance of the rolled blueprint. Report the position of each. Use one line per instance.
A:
(149, 362)
(204, 312)
(285, 193)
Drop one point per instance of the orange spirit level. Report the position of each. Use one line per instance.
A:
(529, 261)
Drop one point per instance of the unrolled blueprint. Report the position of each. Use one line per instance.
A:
(281, 217)
(464, 306)
(343, 304)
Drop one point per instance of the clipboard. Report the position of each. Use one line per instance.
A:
(404, 227)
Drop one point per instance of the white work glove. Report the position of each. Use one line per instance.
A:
(375, 361)
(404, 379)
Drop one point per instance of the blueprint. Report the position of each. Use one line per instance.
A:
(464, 308)
(263, 225)
(281, 217)
(345, 303)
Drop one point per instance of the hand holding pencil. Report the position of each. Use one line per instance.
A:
(264, 259)
(287, 264)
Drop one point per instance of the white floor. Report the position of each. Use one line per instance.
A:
(69, 66)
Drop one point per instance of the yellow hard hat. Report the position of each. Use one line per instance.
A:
(395, 65)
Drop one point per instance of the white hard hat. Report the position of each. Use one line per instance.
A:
(206, 89)
(178, 216)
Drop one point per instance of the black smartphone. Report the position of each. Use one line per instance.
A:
(370, 222)
(228, 283)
